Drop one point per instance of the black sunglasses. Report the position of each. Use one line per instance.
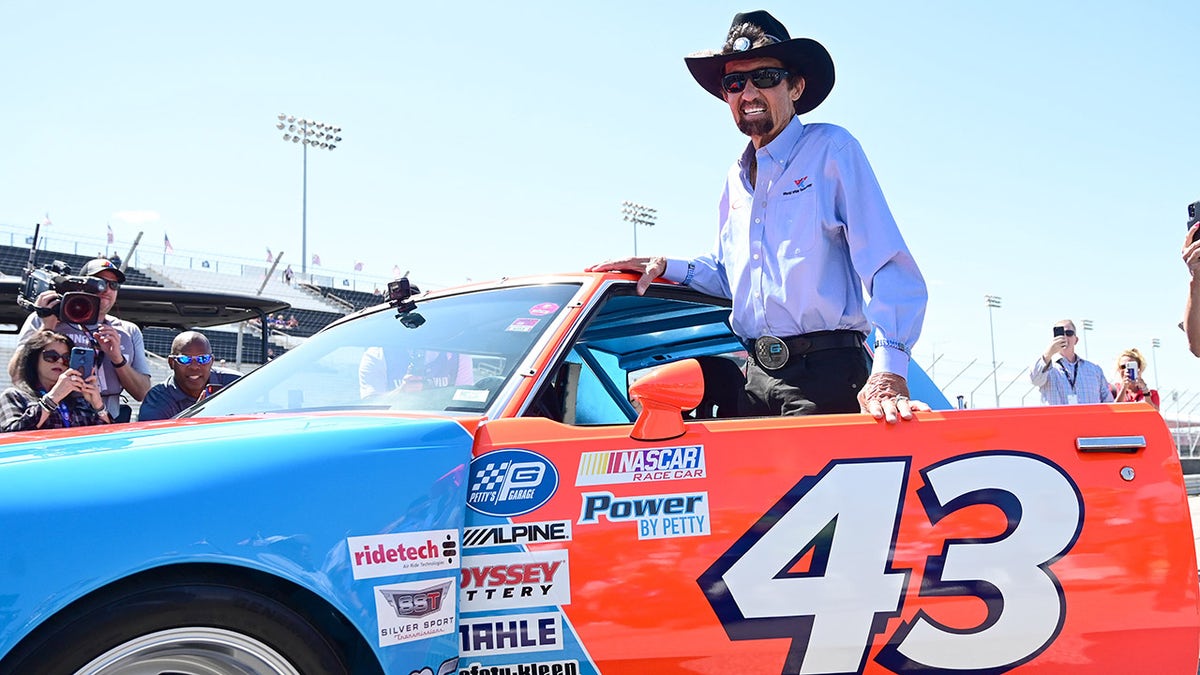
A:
(54, 357)
(1069, 333)
(763, 78)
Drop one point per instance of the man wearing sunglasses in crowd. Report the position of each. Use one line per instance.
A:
(1065, 378)
(803, 227)
(192, 378)
(121, 363)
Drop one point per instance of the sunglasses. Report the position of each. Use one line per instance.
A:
(1069, 333)
(105, 284)
(763, 78)
(184, 359)
(54, 357)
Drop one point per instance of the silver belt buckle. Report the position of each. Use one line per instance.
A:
(771, 352)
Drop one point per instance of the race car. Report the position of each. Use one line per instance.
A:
(546, 475)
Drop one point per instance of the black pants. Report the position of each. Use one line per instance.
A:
(821, 382)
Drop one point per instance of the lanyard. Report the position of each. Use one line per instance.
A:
(1071, 378)
(64, 412)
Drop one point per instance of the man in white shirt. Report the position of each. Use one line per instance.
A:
(803, 228)
(1065, 378)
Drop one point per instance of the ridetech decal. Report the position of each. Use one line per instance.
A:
(607, 467)
(415, 610)
(788, 576)
(510, 634)
(514, 580)
(511, 482)
(383, 555)
(517, 533)
(657, 516)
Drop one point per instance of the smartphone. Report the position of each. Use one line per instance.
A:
(82, 360)
(1131, 372)
(1060, 331)
(1193, 218)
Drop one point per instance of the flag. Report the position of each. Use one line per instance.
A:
(316, 259)
(110, 234)
(167, 244)
(357, 267)
(46, 220)
(270, 258)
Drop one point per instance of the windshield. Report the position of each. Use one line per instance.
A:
(451, 354)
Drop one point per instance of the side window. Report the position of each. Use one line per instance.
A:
(626, 337)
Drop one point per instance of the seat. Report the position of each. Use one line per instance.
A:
(724, 386)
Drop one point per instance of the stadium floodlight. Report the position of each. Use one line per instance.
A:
(306, 132)
(638, 215)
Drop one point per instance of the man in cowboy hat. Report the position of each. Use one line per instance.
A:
(803, 227)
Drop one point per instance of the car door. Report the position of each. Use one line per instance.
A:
(833, 544)
(966, 541)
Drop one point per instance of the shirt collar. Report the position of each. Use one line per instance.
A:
(779, 150)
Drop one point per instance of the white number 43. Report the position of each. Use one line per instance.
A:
(844, 521)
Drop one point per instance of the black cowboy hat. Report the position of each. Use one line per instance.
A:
(757, 34)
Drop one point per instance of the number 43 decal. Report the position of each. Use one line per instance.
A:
(844, 522)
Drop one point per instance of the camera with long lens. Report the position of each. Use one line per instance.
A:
(79, 301)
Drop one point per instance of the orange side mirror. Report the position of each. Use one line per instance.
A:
(664, 394)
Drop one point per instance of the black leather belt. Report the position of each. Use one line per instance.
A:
(773, 353)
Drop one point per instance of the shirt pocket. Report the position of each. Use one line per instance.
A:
(793, 217)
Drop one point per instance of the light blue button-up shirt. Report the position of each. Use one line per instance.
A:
(795, 250)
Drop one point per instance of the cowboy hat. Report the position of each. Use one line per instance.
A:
(757, 34)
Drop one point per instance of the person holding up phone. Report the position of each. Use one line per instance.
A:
(1191, 258)
(1130, 386)
(47, 392)
(192, 376)
(1064, 377)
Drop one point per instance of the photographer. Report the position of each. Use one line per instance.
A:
(1064, 377)
(1130, 386)
(121, 363)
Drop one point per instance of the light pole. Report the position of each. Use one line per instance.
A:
(993, 302)
(638, 215)
(319, 135)
(1154, 345)
(1087, 325)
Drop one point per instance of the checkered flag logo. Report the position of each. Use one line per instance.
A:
(490, 476)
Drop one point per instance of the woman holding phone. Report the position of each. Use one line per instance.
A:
(1129, 385)
(47, 393)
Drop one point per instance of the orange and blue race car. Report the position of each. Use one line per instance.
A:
(542, 475)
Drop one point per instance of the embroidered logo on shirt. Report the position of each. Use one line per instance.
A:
(801, 186)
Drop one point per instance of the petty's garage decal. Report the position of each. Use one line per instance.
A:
(511, 482)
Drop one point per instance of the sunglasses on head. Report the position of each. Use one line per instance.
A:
(184, 359)
(763, 78)
(54, 357)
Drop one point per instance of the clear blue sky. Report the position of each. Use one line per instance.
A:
(1040, 152)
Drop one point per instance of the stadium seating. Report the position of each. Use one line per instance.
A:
(13, 261)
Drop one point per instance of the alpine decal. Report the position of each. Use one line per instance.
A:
(512, 634)
(517, 533)
(657, 516)
(514, 580)
(383, 555)
(609, 467)
(415, 610)
(511, 482)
